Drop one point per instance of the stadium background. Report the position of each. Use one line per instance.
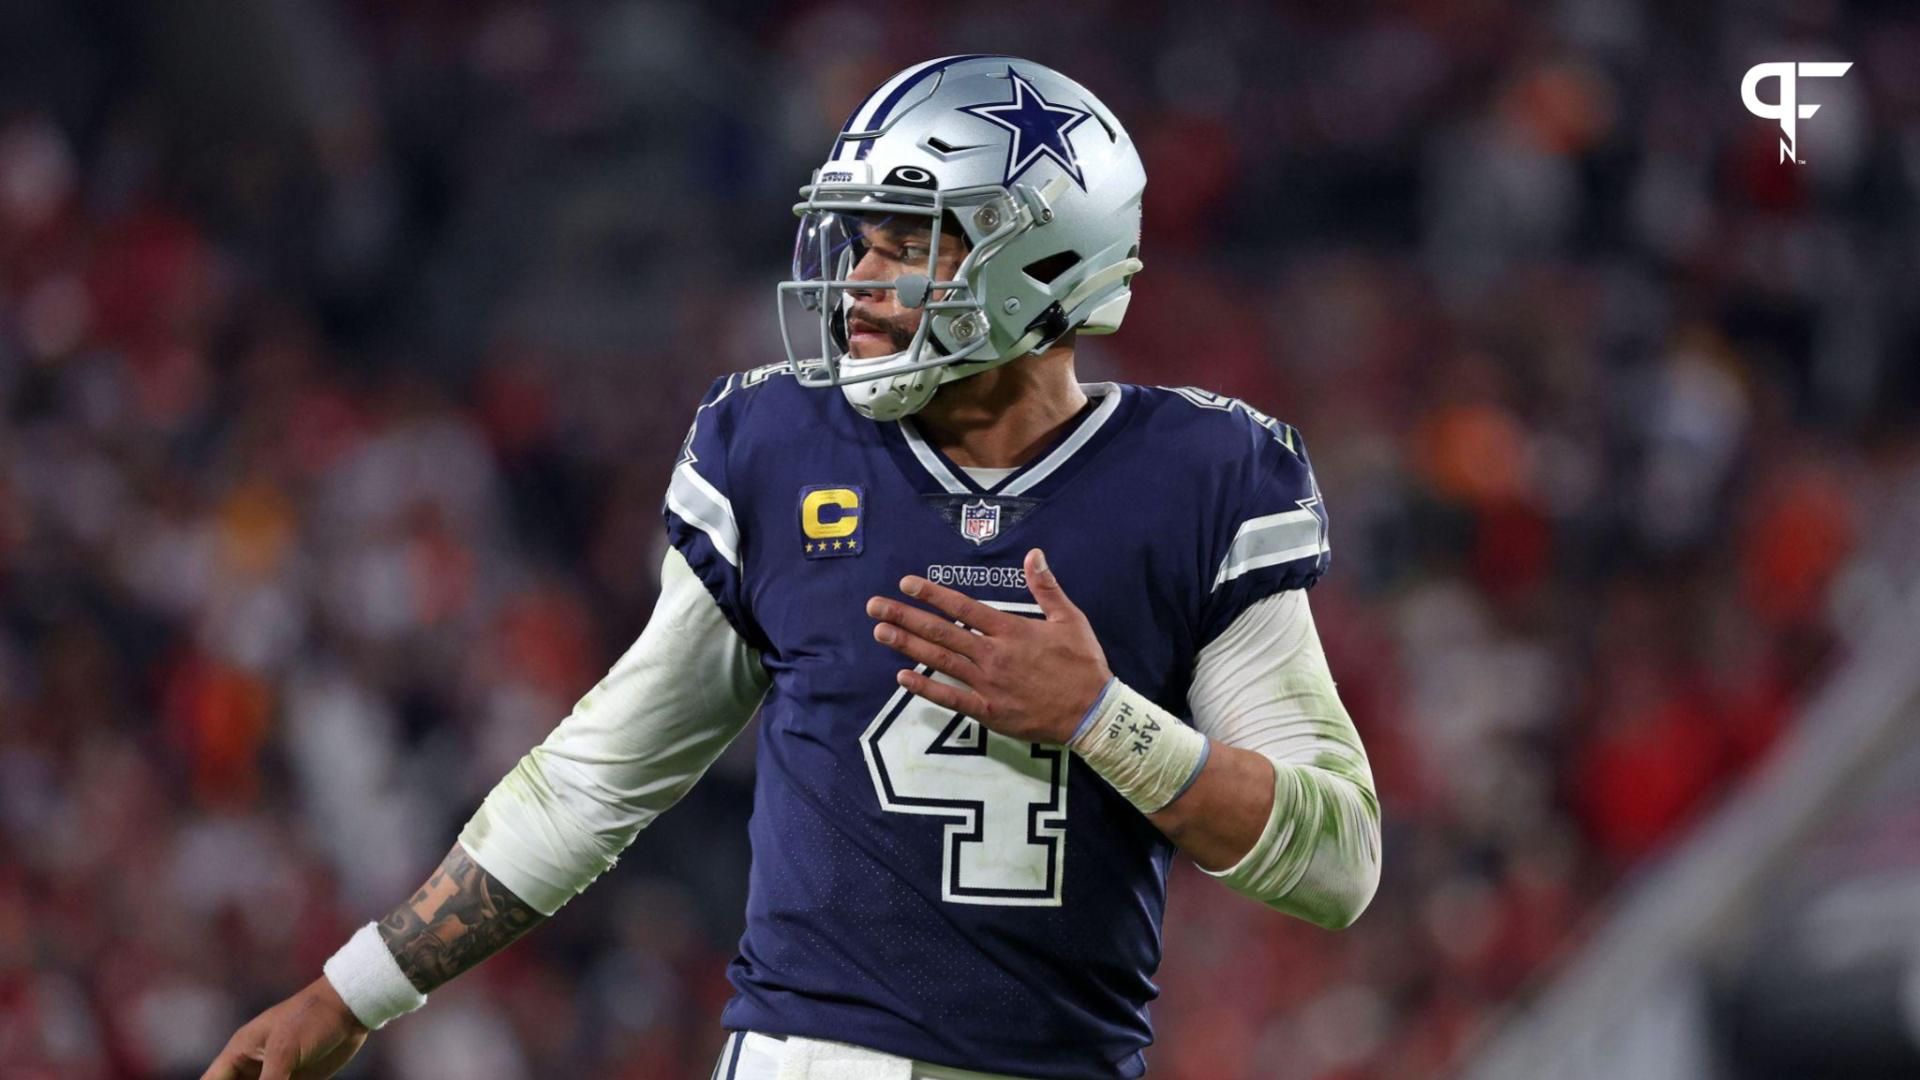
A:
(345, 349)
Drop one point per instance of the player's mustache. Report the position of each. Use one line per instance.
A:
(898, 335)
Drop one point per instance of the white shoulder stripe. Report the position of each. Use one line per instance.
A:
(701, 505)
(1270, 541)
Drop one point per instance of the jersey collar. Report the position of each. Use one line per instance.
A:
(1103, 403)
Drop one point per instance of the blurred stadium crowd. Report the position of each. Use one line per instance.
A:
(345, 349)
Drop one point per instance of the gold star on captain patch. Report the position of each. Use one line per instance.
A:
(836, 545)
(809, 549)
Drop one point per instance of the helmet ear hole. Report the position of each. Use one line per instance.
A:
(1051, 324)
(1046, 270)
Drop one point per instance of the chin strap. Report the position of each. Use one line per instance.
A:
(1037, 337)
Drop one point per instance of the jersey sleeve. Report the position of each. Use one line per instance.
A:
(1273, 535)
(701, 520)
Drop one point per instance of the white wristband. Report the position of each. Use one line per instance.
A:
(1145, 752)
(369, 980)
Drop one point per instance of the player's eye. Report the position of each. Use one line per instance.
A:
(892, 252)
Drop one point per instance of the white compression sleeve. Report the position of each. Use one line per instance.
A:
(630, 749)
(1263, 685)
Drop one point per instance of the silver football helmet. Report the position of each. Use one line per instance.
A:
(1034, 171)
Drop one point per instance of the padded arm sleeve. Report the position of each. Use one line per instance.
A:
(1263, 685)
(630, 749)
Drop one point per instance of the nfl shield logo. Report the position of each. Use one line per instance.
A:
(980, 521)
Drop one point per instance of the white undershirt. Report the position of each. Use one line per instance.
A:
(986, 477)
(638, 741)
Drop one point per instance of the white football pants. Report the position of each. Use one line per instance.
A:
(749, 1055)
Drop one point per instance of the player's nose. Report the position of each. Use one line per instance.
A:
(871, 267)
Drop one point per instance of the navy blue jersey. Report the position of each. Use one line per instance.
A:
(919, 885)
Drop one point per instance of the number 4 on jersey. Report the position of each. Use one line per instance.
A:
(1007, 799)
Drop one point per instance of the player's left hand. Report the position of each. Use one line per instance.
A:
(1031, 679)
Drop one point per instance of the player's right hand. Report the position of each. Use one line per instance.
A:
(309, 1036)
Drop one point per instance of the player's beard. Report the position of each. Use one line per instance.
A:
(899, 330)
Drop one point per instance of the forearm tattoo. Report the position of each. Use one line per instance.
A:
(461, 916)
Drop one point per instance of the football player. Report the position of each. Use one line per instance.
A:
(1012, 640)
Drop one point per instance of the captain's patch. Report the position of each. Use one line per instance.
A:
(830, 521)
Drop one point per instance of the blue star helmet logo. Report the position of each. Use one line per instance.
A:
(1039, 129)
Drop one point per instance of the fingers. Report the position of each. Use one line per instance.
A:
(281, 1056)
(937, 657)
(273, 1044)
(228, 1066)
(238, 1059)
(336, 1059)
(928, 626)
(985, 619)
(1046, 588)
(958, 698)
